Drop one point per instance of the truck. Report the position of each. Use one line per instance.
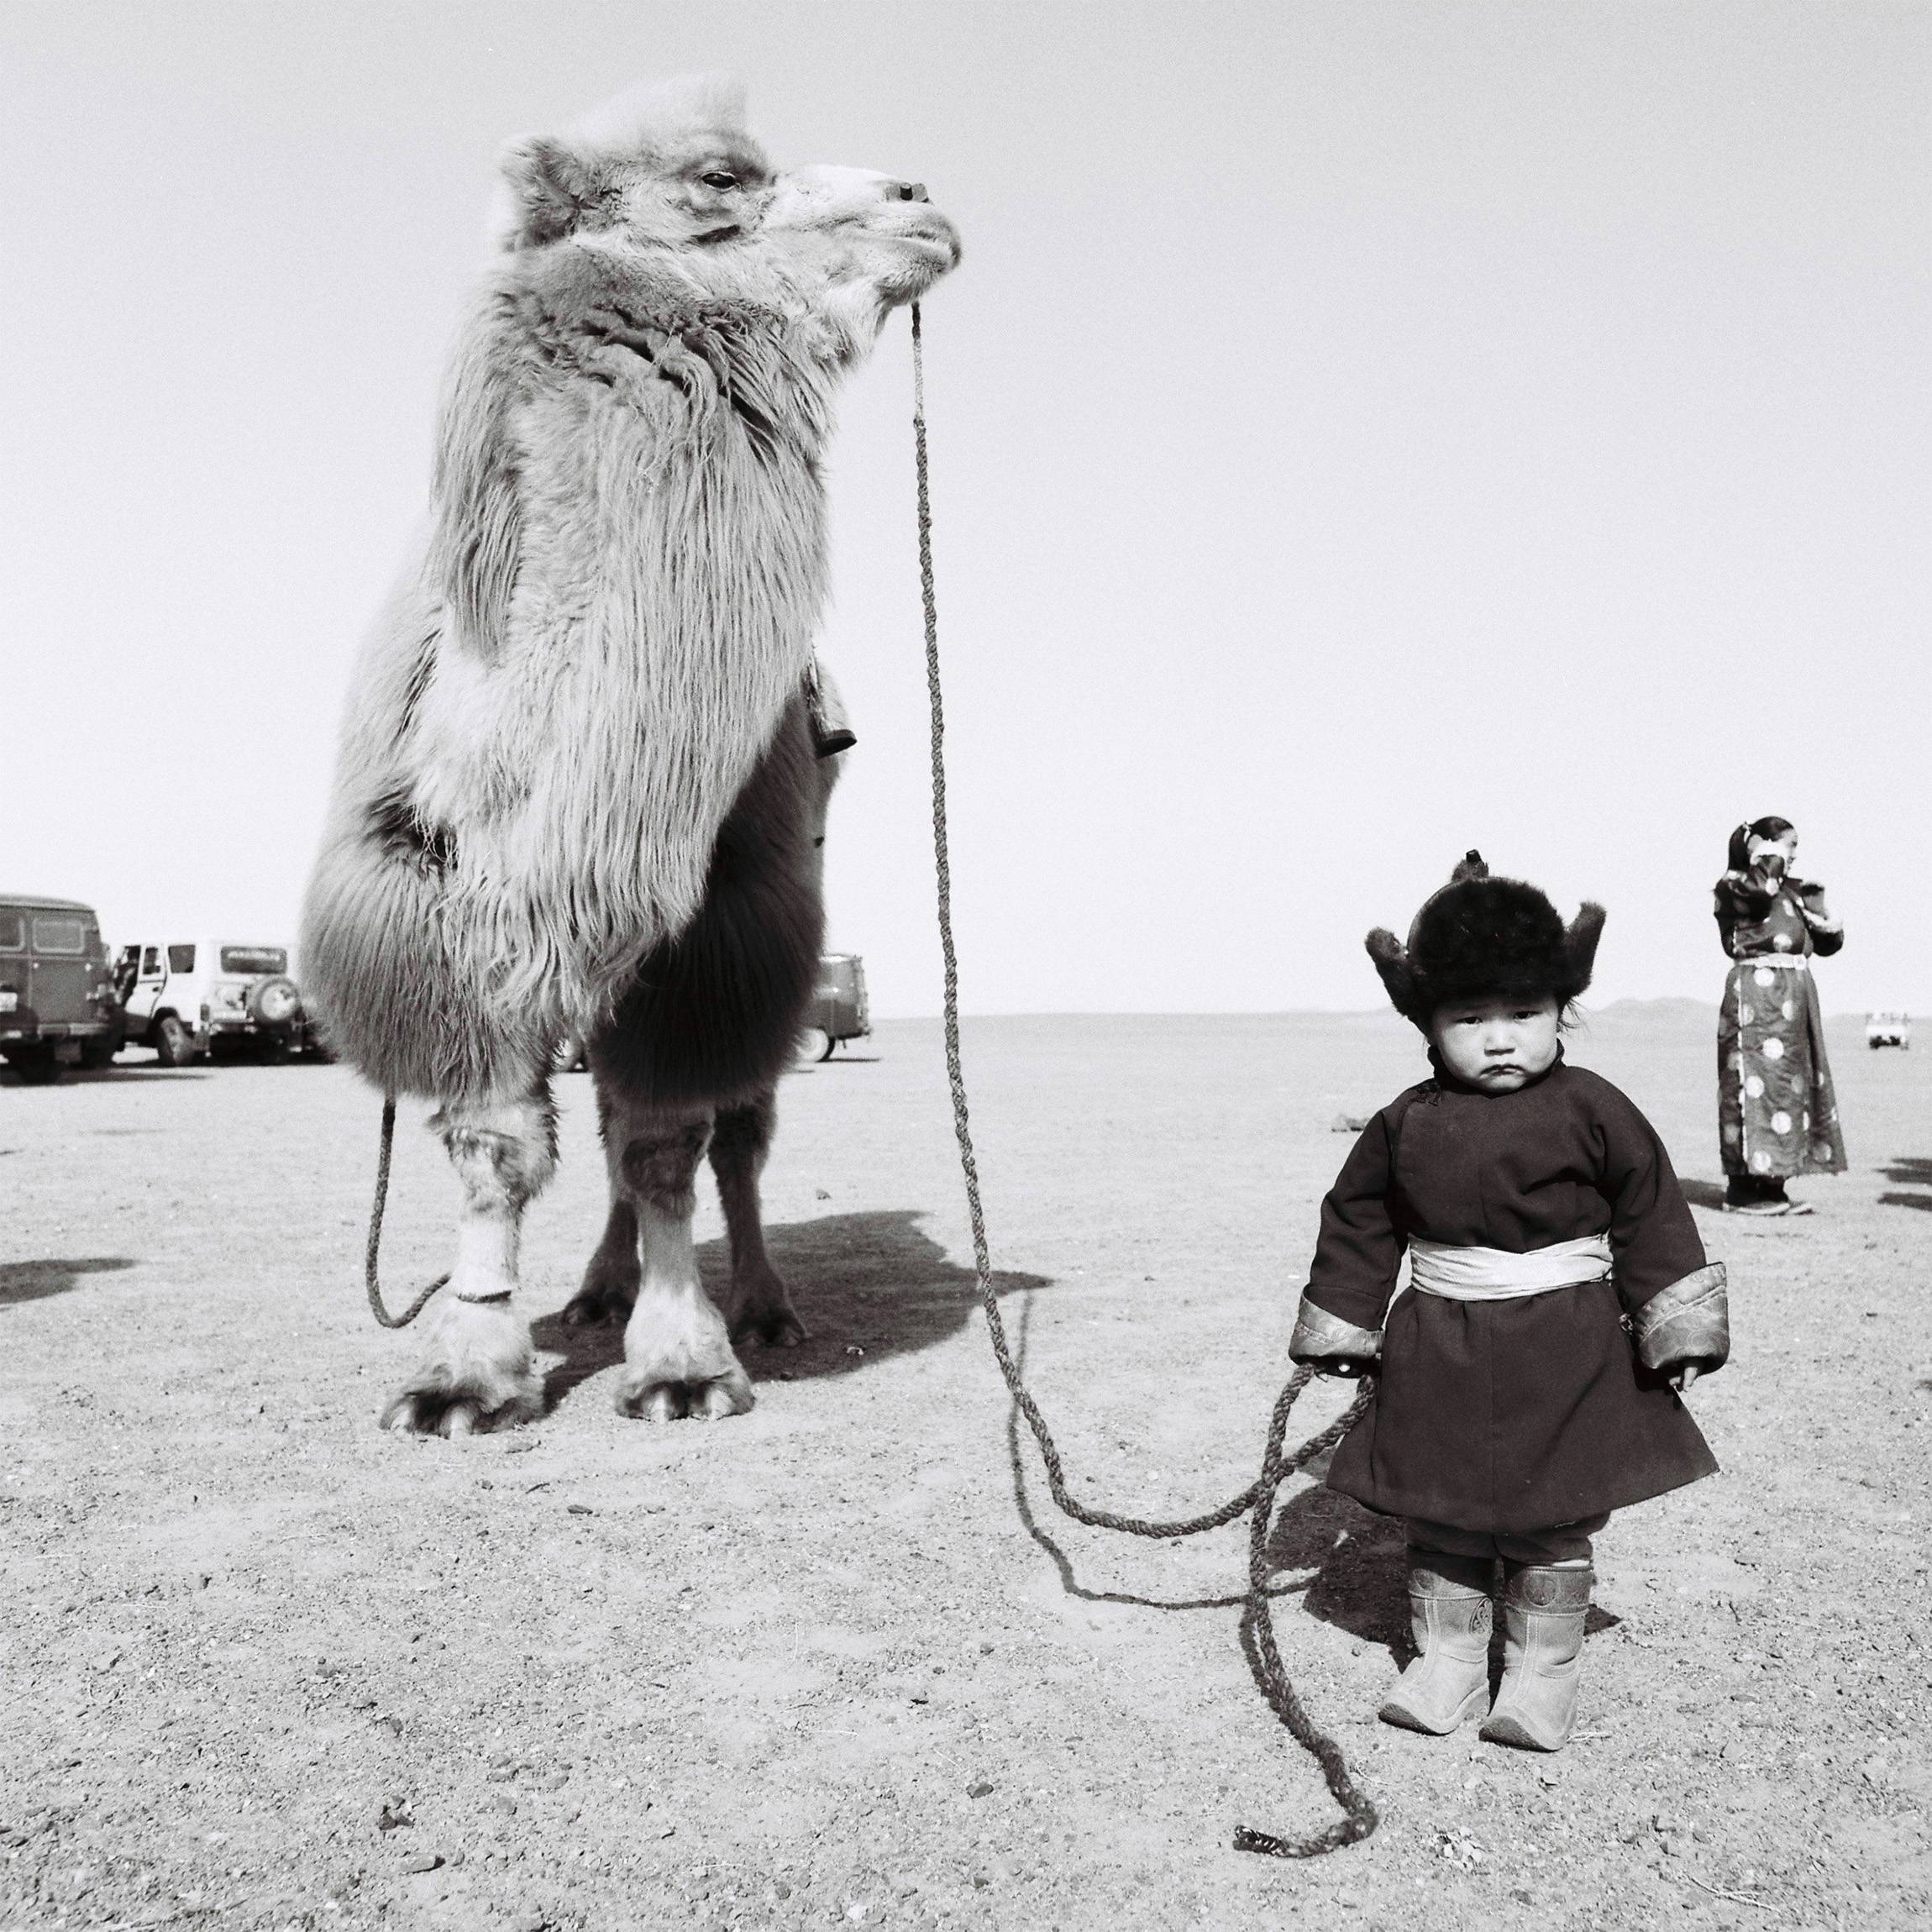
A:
(839, 1009)
(57, 1004)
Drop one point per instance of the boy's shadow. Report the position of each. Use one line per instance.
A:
(1362, 1584)
(867, 1286)
(1359, 1559)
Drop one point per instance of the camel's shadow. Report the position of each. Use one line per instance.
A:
(867, 1286)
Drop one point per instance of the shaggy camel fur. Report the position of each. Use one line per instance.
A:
(577, 791)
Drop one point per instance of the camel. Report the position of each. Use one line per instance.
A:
(580, 791)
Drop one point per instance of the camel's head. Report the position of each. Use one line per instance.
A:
(870, 231)
(671, 167)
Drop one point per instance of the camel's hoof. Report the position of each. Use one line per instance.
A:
(455, 1412)
(479, 1372)
(764, 1310)
(647, 1396)
(608, 1295)
(775, 1327)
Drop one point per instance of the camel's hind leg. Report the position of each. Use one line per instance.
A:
(478, 1370)
(611, 1281)
(759, 1304)
(678, 1358)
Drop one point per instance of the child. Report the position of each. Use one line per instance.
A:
(1559, 1297)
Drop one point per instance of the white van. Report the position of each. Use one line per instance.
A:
(186, 998)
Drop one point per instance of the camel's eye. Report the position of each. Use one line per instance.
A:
(718, 179)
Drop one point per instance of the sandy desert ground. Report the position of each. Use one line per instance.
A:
(838, 1662)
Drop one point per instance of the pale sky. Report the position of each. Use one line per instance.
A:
(1361, 432)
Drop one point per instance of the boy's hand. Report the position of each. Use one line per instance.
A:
(1685, 1377)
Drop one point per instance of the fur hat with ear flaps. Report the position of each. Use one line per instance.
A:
(1482, 938)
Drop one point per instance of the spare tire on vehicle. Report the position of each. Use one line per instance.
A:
(274, 1002)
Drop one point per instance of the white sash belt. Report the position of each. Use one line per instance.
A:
(1494, 1274)
(1796, 961)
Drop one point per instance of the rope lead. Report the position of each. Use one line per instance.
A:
(375, 1247)
(1258, 1620)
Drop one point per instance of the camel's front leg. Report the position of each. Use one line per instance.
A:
(479, 1370)
(678, 1358)
(759, 1303)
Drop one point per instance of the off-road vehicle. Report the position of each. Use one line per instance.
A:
(186, 998)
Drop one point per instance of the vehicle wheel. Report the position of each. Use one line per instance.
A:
(275, 1003)
(174, 1044)
(830, 1045)
(97, 1054)
(37, 1067)
(814, 1043)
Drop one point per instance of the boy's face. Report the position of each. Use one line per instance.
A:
(1496, 1045)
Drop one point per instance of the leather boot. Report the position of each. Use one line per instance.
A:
(1449, 1616)
(1544, 1607)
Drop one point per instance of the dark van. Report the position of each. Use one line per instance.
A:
(57, 1004)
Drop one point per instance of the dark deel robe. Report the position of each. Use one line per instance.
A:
(1524, 1414)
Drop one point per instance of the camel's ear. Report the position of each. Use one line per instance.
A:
(551, 187)
(1391, 958)
(1580, 938)
(1472, 867)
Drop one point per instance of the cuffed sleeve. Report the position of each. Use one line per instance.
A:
(1827, 934)
(1737, 898)
(1687, 1322)
(1654, 1239)
(1320, 1338)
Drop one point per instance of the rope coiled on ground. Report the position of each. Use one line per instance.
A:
(1258, 1621)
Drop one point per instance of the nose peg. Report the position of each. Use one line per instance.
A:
(910, 192)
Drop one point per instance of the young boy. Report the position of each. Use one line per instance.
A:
(1559, 1297)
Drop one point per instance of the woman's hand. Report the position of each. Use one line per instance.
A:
(1684, 1376)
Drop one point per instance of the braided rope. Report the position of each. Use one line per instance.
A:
(375, 1247)
(1258, 1620)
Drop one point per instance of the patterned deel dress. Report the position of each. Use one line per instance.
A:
(1777, 1115)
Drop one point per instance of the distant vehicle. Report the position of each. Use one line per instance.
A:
(838, 1012)
(838, 1009)
(190, 998)
(1888, 1029)
(57, 1006)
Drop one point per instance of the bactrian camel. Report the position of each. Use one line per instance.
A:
(580, 791)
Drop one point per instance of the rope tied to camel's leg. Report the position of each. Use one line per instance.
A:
(1276, 1468)
(375, 1248)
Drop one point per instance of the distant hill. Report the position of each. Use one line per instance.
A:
(1675, 1011)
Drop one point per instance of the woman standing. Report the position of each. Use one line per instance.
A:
(1777, 1113)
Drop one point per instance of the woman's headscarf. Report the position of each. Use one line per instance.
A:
(1740, 857)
